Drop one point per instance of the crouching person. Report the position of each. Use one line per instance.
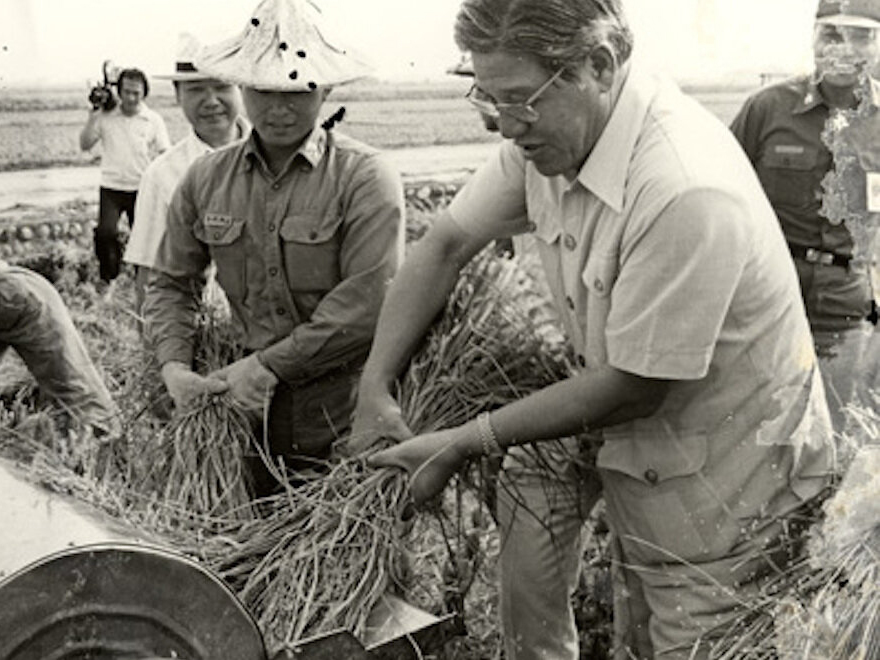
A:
(35, 323)
(305, 228)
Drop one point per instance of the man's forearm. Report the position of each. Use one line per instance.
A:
(88, 136)
(589, 400)
(169, 310)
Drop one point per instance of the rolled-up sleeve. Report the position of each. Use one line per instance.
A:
(341, 328)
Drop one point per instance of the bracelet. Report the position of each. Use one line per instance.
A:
(488, 439)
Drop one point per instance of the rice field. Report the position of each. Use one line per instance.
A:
(40, 128)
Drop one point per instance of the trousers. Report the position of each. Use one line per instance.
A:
(544, 498)
(108, 249)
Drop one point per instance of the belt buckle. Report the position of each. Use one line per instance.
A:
(815, 256)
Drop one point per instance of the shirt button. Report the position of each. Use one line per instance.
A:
(599, 285)
(570, 242)
(651, 476)
(273, 271)
(582, 361)
(569, 302)
(313, 235)
(217, 235)
(281, 311)
(276, 186)
(531, 226)
(271, 227)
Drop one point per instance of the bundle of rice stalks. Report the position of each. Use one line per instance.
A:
(827, 606)
(330, 550)
(484, 351)
(200, 462)
(325, 551)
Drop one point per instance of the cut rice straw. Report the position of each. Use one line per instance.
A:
(827, 606)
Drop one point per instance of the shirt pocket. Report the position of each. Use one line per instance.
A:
(648, 451)
(789, 174)
(598, 278)
(225, 237)
(599, 274)
(310, 245)
(655, 488)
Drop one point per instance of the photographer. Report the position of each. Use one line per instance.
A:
(132, 135)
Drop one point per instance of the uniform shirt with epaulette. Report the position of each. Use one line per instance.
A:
(780, 128)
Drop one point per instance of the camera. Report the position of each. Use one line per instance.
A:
(101, 95)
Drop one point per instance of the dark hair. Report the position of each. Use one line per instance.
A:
(558, 33)
(135, 75)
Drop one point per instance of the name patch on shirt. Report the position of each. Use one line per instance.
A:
(873, 191)
(217, 221)
(788, 149)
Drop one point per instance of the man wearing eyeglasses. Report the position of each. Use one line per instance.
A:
(676, 289)
(781, 129)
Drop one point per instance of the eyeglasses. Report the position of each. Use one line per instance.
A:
(523, 112)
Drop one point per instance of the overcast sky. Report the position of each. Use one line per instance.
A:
(65, 41)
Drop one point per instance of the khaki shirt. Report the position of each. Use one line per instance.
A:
(782, 129)
(304, 257)
(667, 261)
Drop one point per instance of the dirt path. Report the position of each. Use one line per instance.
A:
(24, 190)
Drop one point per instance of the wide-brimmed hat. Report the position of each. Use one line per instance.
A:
(184, 62)
(285, 46)
(855, 13)
(464, 67)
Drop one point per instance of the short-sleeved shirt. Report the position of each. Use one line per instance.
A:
(154, 195)
(129, 143)
(666, 261)
(304, 257)
(781, 130)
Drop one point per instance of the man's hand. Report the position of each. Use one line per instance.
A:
(185, 386)
(431, 459)
(251, 385)
(377, 416)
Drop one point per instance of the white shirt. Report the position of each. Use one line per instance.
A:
(154, 196)
(129, 143)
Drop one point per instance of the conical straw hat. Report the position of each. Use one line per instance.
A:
(285, 46)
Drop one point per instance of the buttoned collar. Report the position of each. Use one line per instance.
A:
(605, 171)
(812, 97)
(312, 149)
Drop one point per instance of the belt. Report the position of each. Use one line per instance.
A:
(814, 256)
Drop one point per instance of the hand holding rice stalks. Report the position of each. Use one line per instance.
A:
(325, 551)
(203, 469)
